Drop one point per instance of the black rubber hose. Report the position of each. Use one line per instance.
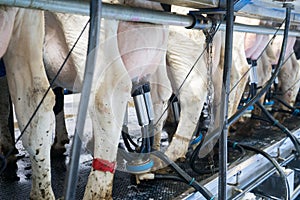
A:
(169, 177)
(240, 112)
(294, 111)
(126, 141)
(256, 117)
(274, 163)
(195, 154)
(283, 103)
(281, 111)
(282, 128)
(188, 179)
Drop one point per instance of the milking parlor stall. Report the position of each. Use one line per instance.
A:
(150, 99)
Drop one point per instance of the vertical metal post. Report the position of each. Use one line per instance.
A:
(222, 193)
(94, 31)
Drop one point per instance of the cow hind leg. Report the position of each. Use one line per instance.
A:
(191, 104)
(107, 114)
(110, 110)
(61, 135)
(28, 83)
(7, 144)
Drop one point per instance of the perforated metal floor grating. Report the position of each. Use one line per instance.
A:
(124, 183)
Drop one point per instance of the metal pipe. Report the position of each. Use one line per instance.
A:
(296, 193)
(121, 12)
(262, 179)
(109, 11)
(222, 190)
(92, 52)
(259, 29)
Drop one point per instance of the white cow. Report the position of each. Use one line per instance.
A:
(184, 48)
(266, 56)
(129, 52)
(289, 75)
(22, 35)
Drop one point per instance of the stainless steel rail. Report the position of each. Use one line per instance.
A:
(125, 13)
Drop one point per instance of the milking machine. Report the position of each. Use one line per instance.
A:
(175, 108)
(138, 157)
(253, 81)
(254, 95)
(272, 96)
(140, 161)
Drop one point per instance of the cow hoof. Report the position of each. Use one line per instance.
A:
(9, 169)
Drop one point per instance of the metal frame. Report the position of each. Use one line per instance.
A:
(142, 15)
(247, 180)
(90, 65)
(222, 192)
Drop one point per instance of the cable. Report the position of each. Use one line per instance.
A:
(169, 177)
(274, 163)
(281, 127)
(188, 179)
(195, 154)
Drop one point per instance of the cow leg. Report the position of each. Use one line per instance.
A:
(107, 111)
(7, 139)
(181, 57)
(289, 85)
(28, 83)
(107, 117)
(61, 134)
(191, 103)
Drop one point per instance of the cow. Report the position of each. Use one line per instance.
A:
(264, 53)
(22, 35)
(288, 77)
(122, 63)
(183, 53)
(128, 55)
(260, 54)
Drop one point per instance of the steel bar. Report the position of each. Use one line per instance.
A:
(120, 12)
(260, 29)
(92, 52)
(222, 191)
(296, 193)
(261, 179)
(109, 11)
(247, 179)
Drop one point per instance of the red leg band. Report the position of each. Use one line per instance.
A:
(104, 165)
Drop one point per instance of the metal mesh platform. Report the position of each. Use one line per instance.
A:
(125, 186)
